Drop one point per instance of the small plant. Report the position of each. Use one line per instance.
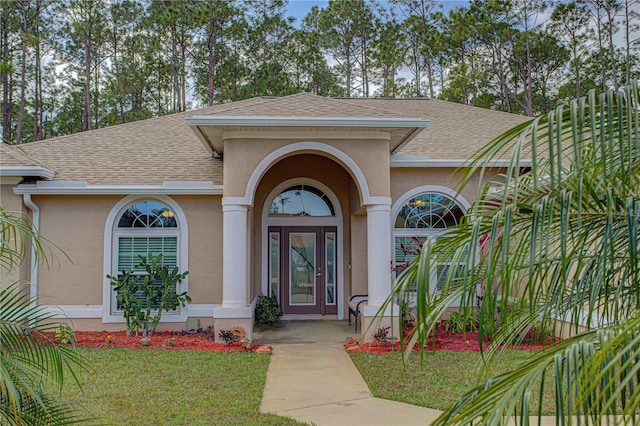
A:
(143, 298)
(145, 341)
(171, 342)
(381, 335)
(108, 341)
(227, 336)
(64, 333)
(458, 323)
(268, 310)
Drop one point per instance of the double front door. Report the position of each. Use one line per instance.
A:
(302, 269)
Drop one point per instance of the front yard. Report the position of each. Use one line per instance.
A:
(159, 387)
(165, 387)
(437, 380)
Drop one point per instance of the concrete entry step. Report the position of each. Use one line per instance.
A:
(325, 332)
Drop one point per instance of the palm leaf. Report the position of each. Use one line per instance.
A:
(563, 252)
(29, 357)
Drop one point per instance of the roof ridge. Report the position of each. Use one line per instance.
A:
(380, 110)
(435, 100)
(331, 100)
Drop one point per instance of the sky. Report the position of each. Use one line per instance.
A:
(299, 8)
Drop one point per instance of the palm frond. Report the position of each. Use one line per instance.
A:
(29, 357)
(562, 252)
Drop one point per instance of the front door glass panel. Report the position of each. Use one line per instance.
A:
(330, 271)
(274, 264)
(302, 271)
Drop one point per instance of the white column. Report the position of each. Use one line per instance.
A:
(234, 255)
(379, 252)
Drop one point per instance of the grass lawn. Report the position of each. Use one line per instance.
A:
(439, 380)
(157, 387)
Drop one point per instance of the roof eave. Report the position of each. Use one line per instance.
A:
(414, 125)
(262, 121)
(27, 171)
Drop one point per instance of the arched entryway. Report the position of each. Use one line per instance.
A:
(303, 247)
(302, 234)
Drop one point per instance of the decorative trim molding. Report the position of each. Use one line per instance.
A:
(201, 310)
(306, 135)
(233, 312)
(398, 161)
(73, 311)
(83, 188)
(270, 121)
(95, 312)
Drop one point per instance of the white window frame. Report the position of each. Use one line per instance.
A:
(111, 235)
(459, 200)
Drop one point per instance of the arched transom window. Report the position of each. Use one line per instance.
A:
(301, 200)
(145, 227)
(421, 216)
(428, 211)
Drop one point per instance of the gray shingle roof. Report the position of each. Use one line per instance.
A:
(456, 131)
(166, 148)
(12, 155)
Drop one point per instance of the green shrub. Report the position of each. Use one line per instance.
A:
(143, 298)
(64, 333)
(268, 310)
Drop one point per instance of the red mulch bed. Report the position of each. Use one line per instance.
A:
(160, 340)
(444, 341)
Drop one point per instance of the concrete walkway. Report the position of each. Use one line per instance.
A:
(312, 379)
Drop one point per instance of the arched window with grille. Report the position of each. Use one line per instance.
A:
(419, 216)
(144, 227)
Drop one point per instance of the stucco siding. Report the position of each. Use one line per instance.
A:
(242, 156)
(13, 203)
(76, 225)
(358, 255)
(204, 218)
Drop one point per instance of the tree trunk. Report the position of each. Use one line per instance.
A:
(86, 117)
(211, 45)
(612, 50)
(4, 77)
(23, 72)
(37, 102)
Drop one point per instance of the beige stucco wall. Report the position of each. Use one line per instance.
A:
(315, 167)
(11, 202)
(76, 224)
(242, 156)
(204, 218)
(405, 179)
(358, 255)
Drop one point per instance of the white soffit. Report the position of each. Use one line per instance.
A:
(82, 188)
(214, 143)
